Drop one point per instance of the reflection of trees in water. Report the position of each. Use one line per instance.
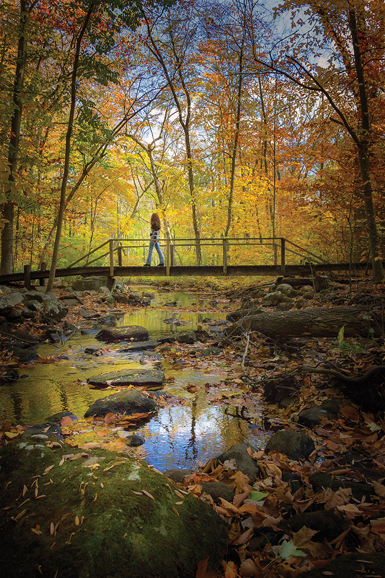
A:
(17, 404)
(192, 440)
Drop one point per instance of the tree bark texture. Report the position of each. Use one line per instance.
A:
(13, 153)
(357, 321)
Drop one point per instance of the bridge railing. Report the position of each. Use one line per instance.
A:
(224, 250)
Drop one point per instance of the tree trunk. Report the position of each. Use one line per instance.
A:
(67, 151)
(356, 321)
(8, 206)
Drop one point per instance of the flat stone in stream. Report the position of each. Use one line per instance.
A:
(128, 377)
(126, 402)
(141, 346)
(129, 333)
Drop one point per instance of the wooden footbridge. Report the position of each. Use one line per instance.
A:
(221, 257)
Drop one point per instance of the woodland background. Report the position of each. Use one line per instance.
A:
(230, 118)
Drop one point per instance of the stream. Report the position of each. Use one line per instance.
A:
(178, 436)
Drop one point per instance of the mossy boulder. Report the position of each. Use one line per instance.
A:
(98, 515)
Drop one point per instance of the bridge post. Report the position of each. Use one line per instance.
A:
(224, 248)
(111, 243)
(168, 256)
(283, 255)
(27, 276)
(120, 252)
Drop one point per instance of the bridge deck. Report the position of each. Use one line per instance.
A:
(204, 271)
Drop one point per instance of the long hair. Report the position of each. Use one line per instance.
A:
(155, 221)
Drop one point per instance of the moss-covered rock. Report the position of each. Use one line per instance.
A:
(97, 516)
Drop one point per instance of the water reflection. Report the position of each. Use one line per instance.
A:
(179, 436)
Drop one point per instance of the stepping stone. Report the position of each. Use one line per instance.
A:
(129, 333)
(126, 402)
(128, 377)
(141, 346)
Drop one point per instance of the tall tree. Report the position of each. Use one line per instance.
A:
(352, 33)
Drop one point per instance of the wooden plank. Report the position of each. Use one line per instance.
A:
(206, 271)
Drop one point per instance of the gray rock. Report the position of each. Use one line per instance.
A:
(23, 354)
(90, 283)
(208, 351)
(189, 337)
(296, 445)
(368, 564)
(57, 417)
(87, 314)
(123, 377)
(53, 309)
(34, 305)
(285, 306)
(218, 490)
(141, 346)
(8, 301)
(104, 291)
(273, 299)
(47, 428)
(313, 416)
(287, 290)
(327, 524)
(301, 304)
(322, 481)
(177, 475)
(242, 460)
(134, 441)
(129, 333)
(127, 402)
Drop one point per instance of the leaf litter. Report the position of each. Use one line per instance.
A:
(268, 502)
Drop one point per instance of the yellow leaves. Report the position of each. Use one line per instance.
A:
(72, 457)
(10, 435)
(113, 465)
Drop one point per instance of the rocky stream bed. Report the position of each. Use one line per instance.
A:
(298, 479)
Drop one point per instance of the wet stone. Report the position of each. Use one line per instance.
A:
(243, 462)
(135, 441)
(177, 475)
(139, 377)
(327, 524)
(296, 445)
(218, 490)
(126, 402)
(129, 333)
(141, 346)
(189, 337)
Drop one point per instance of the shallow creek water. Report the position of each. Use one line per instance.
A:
(180, 436)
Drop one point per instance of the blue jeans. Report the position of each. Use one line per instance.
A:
(150, 250)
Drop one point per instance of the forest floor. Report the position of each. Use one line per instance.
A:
(349, 446)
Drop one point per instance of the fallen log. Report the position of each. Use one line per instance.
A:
(323, 322)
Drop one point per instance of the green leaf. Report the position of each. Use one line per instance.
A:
(289, 550)
(257, 496)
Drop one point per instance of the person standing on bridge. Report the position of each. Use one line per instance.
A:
(154, 236)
